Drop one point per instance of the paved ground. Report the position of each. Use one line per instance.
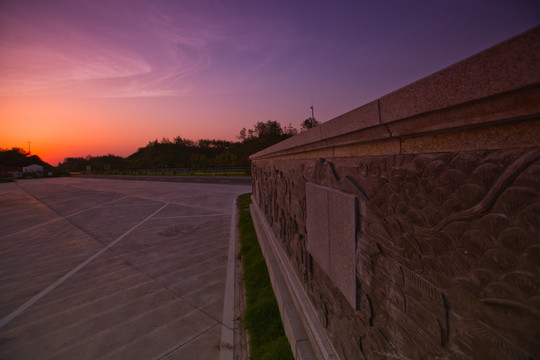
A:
(115, 269)
(190, 179)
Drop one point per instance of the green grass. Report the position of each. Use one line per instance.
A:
(262, 318)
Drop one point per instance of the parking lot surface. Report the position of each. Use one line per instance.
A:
(115, 269)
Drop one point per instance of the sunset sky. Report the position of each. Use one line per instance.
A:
(84, 77)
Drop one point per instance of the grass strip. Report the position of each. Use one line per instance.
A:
(262, 318)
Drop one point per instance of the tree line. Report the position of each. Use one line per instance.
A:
(184, 153)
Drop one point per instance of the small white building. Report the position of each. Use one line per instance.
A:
(34, 168)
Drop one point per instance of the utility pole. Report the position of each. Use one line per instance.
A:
(312, 112)
(29, 142)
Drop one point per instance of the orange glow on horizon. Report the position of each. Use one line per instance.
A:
(76, 127)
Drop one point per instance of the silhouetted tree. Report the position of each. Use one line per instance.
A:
(183, 142)
(289, 130)
(309, 123)
(17, 157)
(263, 135)
(225, 159)
(184, 153)
(267, 130)
(74, 164)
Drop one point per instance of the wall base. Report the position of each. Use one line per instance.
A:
(305, 333)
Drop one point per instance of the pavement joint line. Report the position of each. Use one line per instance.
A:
(47, 317)
(96, 335)
(156, 280)
(227, 323)
(76, 269)
(108, 311)
(61, 217)
(86, 291)
(189, 216)
(183, 344)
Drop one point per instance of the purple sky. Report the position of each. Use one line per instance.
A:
(92, 77)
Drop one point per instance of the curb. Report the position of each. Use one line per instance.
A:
(305, 333)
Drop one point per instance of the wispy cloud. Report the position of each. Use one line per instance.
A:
(145, 54)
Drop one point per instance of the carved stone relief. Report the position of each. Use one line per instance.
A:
(447, 254)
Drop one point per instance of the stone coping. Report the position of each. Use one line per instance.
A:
(496, 86)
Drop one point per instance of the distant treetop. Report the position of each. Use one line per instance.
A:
(267, 130)
(309, 123)
(17, 157)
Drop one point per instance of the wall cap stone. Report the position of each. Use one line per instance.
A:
(500, 84)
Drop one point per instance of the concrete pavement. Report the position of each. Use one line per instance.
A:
(230, 180)
(112, 269)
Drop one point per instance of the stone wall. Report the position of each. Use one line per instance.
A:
(413, 222)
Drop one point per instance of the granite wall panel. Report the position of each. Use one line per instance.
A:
(317, 222)
(331, 228)
(446, 251)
